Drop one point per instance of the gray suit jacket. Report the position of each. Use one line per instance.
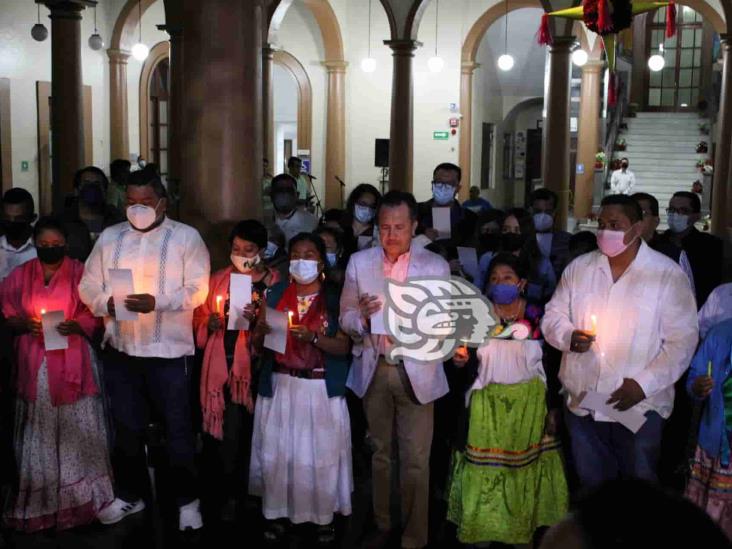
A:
(428, 381)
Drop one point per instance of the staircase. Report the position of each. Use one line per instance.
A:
(661, 149)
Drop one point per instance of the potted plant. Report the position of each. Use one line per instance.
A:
(620, 144)
(600, 160)
(704, 128)
(702, 147)
(700, 165)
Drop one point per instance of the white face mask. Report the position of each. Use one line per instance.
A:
(142, 217)
(363, 214)
(244, 264)
(304, 271)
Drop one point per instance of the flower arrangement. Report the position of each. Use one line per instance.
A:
(620, 144)
(704, 128)
(705, 166)
(600, 160)
(702, 147)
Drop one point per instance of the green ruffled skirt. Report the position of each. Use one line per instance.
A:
(510, 478)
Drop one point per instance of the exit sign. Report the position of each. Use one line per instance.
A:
(440, 136)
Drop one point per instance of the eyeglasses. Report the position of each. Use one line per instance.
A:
(682, 211)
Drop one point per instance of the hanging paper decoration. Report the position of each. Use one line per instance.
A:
(607, 18)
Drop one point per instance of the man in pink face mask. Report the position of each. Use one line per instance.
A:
(625, 318)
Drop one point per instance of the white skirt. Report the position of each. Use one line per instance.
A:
(301, 452)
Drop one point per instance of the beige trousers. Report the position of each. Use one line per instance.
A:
(389, 398)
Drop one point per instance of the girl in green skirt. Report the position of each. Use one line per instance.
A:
(509, 479)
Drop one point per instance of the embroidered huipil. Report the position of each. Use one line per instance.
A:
(171, 262)
(647, 328)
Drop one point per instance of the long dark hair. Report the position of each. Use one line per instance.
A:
(317, 241)
(356, 193)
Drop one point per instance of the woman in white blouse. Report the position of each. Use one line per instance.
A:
(509, 479)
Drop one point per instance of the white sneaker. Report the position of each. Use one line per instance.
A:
(119, 509)
(189, 516)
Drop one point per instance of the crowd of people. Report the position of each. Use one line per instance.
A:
(114, 315)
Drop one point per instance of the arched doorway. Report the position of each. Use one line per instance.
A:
(155, 106)
(684, 80)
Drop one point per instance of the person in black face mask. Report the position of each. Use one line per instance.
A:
(16, 217)
(288, 217)
(86, 213)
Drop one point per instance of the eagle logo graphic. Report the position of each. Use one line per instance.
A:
(428, 318)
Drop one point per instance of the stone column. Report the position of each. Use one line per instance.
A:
(588, 137)
(466, 125)
(67, 99)
(335, 141)
(268, 135)
(721, 195)
(176, 115)
(555, 157)
(222, 133)
(401, 139)
(119, 135)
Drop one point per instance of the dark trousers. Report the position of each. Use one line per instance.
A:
(603, 451)
(227, 460)
(134, 384)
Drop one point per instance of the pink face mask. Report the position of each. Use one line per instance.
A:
(611, 243)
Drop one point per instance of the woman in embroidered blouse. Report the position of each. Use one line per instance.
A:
(710, 381)
(301, 447)
(61, 452)
(226, 378)
(509, 480)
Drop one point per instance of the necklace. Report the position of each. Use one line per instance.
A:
(506, 318)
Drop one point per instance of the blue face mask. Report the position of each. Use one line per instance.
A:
(543, 222)
(270, 251)
(443, 194)
(503, 294)
(332, 258)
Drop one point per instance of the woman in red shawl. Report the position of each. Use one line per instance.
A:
(62, 458)
(226, 378)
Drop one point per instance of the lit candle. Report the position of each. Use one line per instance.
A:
(709, 369)
(219, 300)
(43, 312)
(289, 318)
(593, 319)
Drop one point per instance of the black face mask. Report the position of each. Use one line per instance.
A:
(92, 195)
(284, 202)
(52, 255)
(15, 230)
(511, 242)
(490, 241)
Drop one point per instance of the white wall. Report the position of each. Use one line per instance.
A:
(300, 36)
(155, 15)
(285, 114)
(25, 61)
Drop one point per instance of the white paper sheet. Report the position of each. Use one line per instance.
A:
(631, 419)
(469, 260)
(276, 339)
(240, 295)
(122, 286)
(53, 340)
(441, 222)
(375, 287)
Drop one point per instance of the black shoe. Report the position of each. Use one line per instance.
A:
(377, 539)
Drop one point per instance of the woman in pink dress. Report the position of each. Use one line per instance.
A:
(62, 459)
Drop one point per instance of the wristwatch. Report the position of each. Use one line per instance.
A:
(315, 339)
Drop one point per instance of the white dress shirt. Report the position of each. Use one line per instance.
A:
(717, 308)
(301, 221)
(622, 182)
(647, 328)
(11, 257)
(171, 263)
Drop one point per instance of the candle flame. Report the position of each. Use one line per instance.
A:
(43, 312)
(593, 319)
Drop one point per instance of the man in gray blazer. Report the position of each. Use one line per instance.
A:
(404, 391)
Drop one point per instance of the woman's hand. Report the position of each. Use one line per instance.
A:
(461, 357)
(551, 422)
(301, 333)
(250, 312)
(215, 322)
(35, 328)
(70, 327)
(702, 386)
